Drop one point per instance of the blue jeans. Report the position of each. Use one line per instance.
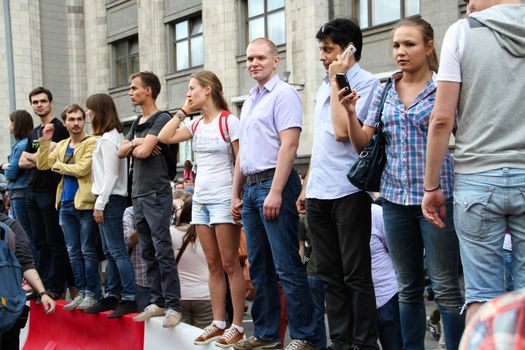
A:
(78, 227)
(120, 276)
(389, 325)
(273, 254)
(507, 268)
(484, 204)
(317, 292)
(408, 233)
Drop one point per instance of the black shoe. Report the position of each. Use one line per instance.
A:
(104, 304)
(124, 307)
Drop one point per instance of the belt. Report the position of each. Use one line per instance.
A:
(259, 177)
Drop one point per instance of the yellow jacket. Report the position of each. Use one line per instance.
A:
(79, 167)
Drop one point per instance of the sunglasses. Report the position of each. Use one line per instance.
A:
(325, 29)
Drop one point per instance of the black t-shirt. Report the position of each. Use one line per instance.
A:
(45, 180)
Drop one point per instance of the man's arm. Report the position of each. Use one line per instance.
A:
(301, 201)
(35, 282)
(44, 157)
(440, 128)
(285, 160)
(27, 160)
(82, 166)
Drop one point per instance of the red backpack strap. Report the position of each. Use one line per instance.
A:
(223, 119)
(194, 126)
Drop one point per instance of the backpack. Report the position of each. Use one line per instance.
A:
(225, 133)
(12, 296)
(169, 152)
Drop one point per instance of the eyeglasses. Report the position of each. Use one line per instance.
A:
(325, 29)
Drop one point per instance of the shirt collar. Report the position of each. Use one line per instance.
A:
(351, 73)
(269, 86)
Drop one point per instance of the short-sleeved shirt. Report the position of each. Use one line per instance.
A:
(331, 159)
(214, 160)
(45, 180)
(150, 175)
(276, 107)
(406, 130)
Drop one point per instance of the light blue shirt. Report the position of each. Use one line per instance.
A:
(332, 159)
(276, 107)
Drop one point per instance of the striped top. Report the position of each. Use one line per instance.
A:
(406, 129)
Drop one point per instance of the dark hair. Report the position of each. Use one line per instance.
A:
(70, 109)
(428, 37)
(342, 31)
(187, 165)
(149, 79)
(40, 90)
(105, 116)
(207, 78)
(22, 123)
(185, 218)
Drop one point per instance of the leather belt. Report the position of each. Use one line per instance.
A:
(259, 177)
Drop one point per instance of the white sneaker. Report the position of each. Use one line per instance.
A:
(73, 304)
(87, 303)
(171, 319)
(150, 311)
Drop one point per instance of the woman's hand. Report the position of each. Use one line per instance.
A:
(98, 215)
(349, 101)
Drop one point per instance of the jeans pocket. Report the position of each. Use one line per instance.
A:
(265, 184)
(470, 211)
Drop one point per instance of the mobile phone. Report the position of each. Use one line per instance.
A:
(342, 81)
(349, 50)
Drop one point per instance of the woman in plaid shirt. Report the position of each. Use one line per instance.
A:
(406, 115)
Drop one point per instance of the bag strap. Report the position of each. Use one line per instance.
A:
(182, 249)
(379, 114)
(195, 125)
(223, 127)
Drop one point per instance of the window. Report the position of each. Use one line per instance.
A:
(188, 46)
(375, 12)
(126, 53)
(266, 19)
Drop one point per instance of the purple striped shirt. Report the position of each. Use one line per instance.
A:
(406, 130)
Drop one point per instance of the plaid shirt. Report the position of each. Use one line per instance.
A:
(499, 324)
(138, 264)
(406, 132)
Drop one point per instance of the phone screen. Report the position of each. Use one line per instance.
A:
(342, 81)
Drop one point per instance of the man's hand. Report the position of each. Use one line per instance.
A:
(433, 207)
(48, 304)
(301, 203)
(339, 66)
(236, 209)
(272, 205)
(98, 216)
(47, 133)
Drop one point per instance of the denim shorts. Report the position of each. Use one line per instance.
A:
(211, 213)
(484, 204)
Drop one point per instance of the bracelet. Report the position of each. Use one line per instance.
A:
(183, 111)
(432, 190)
(181, 114)
(45, 292)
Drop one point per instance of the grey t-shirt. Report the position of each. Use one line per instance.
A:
(150, 175)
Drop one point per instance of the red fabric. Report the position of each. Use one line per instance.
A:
(78, 330)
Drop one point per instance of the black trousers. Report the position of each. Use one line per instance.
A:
(341, 247)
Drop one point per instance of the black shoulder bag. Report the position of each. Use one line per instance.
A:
(366, 172)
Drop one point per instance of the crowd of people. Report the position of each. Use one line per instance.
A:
(174, 253)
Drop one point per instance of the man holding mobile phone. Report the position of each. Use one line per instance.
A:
(337, 212)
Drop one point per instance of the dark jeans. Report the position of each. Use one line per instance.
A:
(53, 263)
(143, 297)
(317, 292)
(152, 220)
(273, 248)
(120, 275)
(408, 234)
(20, 214)
(341, 247)
(389, 325)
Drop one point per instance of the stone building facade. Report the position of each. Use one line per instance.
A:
(77, 47)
